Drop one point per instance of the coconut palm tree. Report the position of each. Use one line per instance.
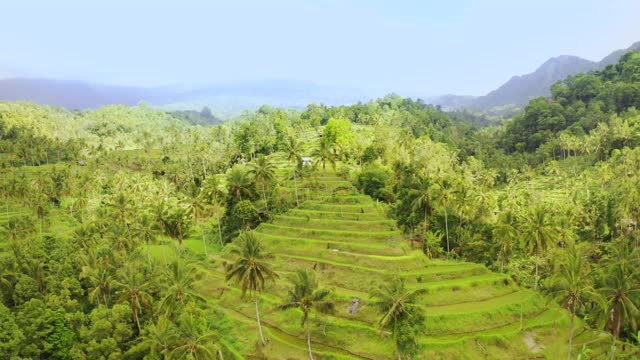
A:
(238, 182)
(422, 195)
(400, 312)
(213, 194)
(445, 193)
(181, 289)
(194, 342)
(250, 269)
(147, 230)
(263, 172)
(538, 234)
(197, 208)
(323, 154)
(504, 235)
(306, 296)
(621, 290)
(133, 288)
(572, 285)
(159, 337)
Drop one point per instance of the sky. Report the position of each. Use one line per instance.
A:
(410, 47)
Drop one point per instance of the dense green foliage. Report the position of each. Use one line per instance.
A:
(587, 113)
(114, 221)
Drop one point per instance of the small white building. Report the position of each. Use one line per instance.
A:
(306, 161)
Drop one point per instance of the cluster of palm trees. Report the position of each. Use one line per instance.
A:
(608, 293)
(400, 315)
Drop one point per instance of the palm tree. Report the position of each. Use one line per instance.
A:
(400, 312)
(445, 193)
(158, 213)
(422, 198)
(294, 151)
(213, 194)
(250, 268)
(504, 234)
(306, 296)
(263, 171)
(181, 279)
(147, 230)
(572, 285)
(158, 338)
(197, 208)
(621, 291)
(101, 281)
(324, 154)
(194, 342)
(238, 182)
(538, 234)
(133, 288)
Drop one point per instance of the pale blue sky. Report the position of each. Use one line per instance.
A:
(410, 47)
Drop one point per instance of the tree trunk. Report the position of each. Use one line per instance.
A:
(219, 228)
(204, 241)
(255, 298)
(309, 340)
(295, 185)
(613, 348)
(535, 284)
(425, 218)
(570, 335)
(149, 256)
(264, 196)
(446, 227)
(135, 315)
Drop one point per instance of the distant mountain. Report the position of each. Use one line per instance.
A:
(72, 94)
(225, 100)
(520, 89)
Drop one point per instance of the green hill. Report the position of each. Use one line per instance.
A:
(347, 238)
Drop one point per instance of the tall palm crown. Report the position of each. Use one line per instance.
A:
(572, 285)
(133, 288)
(324, 153)
(159, 337)
(262, 169)
(306, 296)
(400, 311)
(621, 290)
(195, 342)
(422, 197)
(539, 233)
(238, 182)
(181, 288)
(250, 269)
(294, 150)
(263, 172)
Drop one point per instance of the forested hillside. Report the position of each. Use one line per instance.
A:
(132, 233)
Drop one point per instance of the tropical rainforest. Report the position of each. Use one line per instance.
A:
(386, 229)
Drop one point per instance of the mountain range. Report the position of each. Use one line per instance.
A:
(520, 89)
(229, 99)
(225, 100)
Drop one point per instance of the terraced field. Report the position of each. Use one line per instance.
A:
(352, 245)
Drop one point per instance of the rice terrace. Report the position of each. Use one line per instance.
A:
(244, 181)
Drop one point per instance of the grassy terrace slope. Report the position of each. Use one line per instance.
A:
(470, 312)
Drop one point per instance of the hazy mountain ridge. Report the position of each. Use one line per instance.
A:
(230, 99)
(225, 99)
(520, 89)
